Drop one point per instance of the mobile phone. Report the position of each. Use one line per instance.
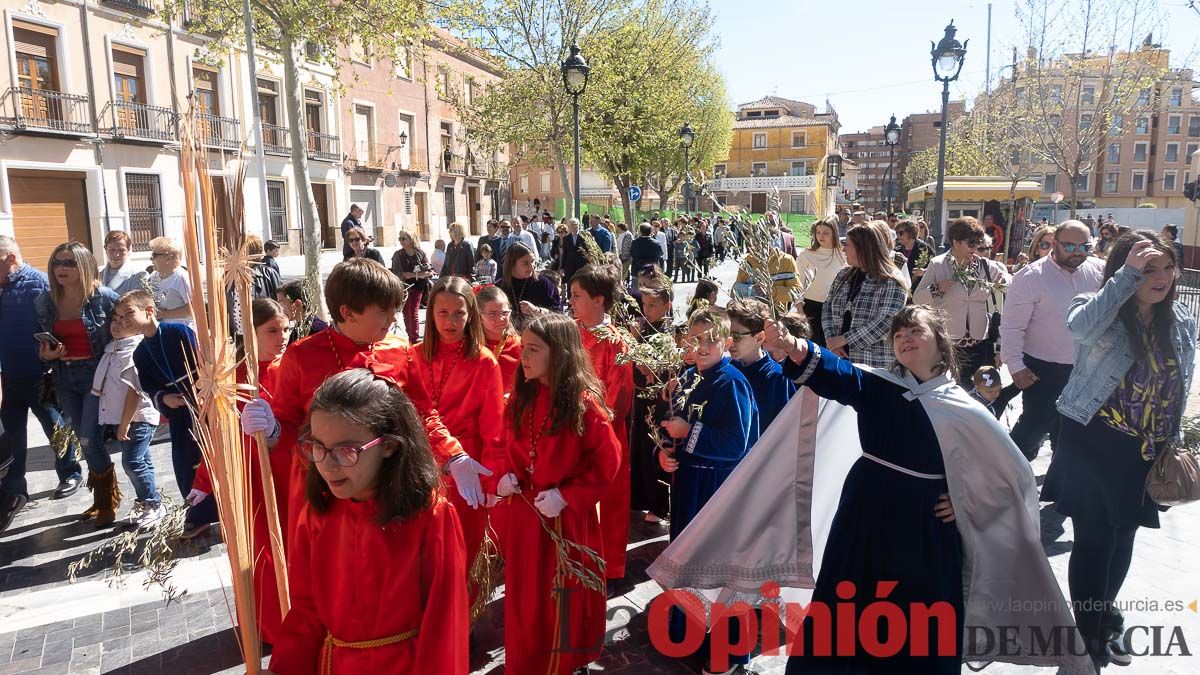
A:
(47, 339)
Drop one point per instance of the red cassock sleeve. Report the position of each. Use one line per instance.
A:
(600, 460)
(442, 643)
(290, 398)
(443, 444)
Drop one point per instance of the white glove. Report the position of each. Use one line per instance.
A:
(550, 503)
(195, 497)
(466, 472)
(508, 485)
(257, 417)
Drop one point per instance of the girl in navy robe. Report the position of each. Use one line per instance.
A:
(772, 389)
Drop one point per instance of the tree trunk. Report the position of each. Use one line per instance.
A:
(568, 189)
(623, 186)
(310, 221)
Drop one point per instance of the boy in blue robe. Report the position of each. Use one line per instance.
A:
(772, 390)
(164, 362)
(713, 428)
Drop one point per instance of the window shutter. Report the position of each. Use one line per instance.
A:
(34, 40)
(128, 61)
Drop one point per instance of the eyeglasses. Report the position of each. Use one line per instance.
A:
(357, 240)
(162, 255)
(344, 455)
(738, 336)
(497, 316)
(1045, 246)
(974, 243)
(1072, 248)
(68, 263)
(983, 248)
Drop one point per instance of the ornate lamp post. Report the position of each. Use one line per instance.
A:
(575, 76)
(891, 136)
(947, 58)
(687, 136)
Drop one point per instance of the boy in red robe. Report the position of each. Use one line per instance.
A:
(593, 290)
(363, 297)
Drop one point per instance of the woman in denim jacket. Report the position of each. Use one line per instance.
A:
(1134, 352)
(77, 310)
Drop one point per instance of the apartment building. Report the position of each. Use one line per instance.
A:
(778, 144)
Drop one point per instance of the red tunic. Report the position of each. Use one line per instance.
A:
(356, 580)
(508, 353)
(618, 394)
(468, 395)
(266, 594)
(582, 468)
(311, 361)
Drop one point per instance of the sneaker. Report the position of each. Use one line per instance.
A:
(1118, 654)
(145, 514)
(10, 506)
(67, 487)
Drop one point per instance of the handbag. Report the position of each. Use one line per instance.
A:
(1175, 477)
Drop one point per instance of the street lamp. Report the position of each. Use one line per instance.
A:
(575, 76)
(687, 136)
(891, 136)
(947, 58)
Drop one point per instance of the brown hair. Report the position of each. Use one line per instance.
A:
(89, 274)
(751, 313)
(358, 283)
(965, 229)
(713, 317)
(663, 294)
(572, 378)
(1163, 318)
(1038, 235)
(796, 324)
(907, 227)
(352, 232)
(409, 478)
(512, 254)
(493, 294)
(934, 321)
(873, 257)
(137, 298)
(253, 244)
(597, 280)
(472, 336)
(115, 235)
(816, 245)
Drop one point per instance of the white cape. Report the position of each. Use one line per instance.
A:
(770, 519)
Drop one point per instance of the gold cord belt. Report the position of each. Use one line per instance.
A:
(331, 643)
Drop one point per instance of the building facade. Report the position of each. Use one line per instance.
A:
(779, 146)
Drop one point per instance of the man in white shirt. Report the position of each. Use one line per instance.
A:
(1034, 341)
(525, 237)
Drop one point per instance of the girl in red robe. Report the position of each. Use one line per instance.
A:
(270, 334)
(378, 577)
(502, 340)
(558, 458)
(464, 380)
(593, 291)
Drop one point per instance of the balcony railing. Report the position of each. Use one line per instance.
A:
(277, 140)
(763, 183)
(374, 156)
(323, 147)
(415, 165)
(138, 121)
(47, 111)
(454, 164)
(215, 131)
(137, 6)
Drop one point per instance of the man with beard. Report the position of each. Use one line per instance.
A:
(1034, 342)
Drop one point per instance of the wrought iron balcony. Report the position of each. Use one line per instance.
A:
(415, 164)
(453, 164)
(45, 111)
(762, 183)
(136, 6)
(215, 131)
(373, 156)
(277, 140)
(323, 147)
(139, 122)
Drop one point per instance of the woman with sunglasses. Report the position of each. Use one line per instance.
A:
(360, 245)
(171, 288)
(962, 283)
(377, 570)
(77, 311)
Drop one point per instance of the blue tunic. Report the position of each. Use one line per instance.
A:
(884, 528)
(772, 390)
(724, 423)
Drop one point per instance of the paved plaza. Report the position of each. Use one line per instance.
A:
(49, 625)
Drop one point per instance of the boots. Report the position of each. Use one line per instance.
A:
(106, 497)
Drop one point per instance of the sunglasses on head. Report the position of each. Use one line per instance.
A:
(69, 263)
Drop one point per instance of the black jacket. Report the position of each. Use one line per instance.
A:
(645, 251)
(460, 260)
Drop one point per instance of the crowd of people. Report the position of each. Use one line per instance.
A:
(524, 411)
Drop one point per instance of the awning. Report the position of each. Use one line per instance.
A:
(959, 189)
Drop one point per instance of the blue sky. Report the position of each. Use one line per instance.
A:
(870, 58)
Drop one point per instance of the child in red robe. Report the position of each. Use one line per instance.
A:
(362, 297)
(558, 458)
(270, 334)
(376, 565)
(502, 340)
(593, 290)
(463, 378)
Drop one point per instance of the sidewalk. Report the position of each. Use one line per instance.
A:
(51, 626)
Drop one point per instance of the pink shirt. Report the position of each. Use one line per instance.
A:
(1034, 320)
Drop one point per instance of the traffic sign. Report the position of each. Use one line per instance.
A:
(635, 193)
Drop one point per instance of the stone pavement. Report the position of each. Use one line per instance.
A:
(48, 625)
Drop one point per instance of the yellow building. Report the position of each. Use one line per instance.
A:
(779, 144)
